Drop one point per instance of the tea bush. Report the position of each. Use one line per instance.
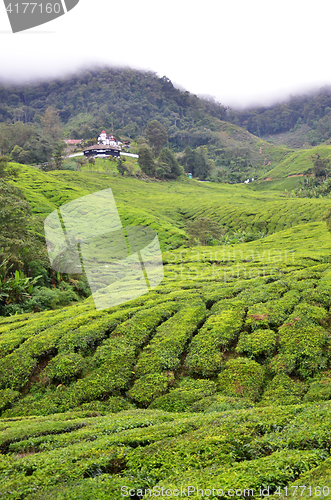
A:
(241, 377)
(218, 403)
(7, 397)
(180, 399)
(261, 342)
(149, 387)
(320, 388)
(167, 346)
(64, 368)
(218, 334)
(282, 390)
(304, 339)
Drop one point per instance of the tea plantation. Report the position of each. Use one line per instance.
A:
(218, 379)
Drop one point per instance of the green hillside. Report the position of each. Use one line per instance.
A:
(220, 377)
(34, 117)
(298, 163)
(167, 206)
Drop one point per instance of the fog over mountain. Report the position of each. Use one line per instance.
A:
(241, 53)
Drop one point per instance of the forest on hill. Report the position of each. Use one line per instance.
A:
(223, 144)
(312, 110)
(123, 101)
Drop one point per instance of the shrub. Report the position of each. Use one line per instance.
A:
(51, 298)
(7, 397)
(150, 386)
(281, 363)
(112, 405)
(218, 403)
(112, 374)
(241, 377)
(320, 388)
(272, 313)
(282, 390)
(165, 349)
(257, 343)
(217, 334)
(304, 339)
(64, 368)
(180, 399)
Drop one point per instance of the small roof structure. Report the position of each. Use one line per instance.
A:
(102, 146)
(74, 141)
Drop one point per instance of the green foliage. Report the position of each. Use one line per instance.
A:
(320, 388)
(58, 151)
(146, 160)
(298, 162)
(7, 397)
(218, 334)
(204, 231)
(14, 289)
(122, 169)
(196, 162)
(218, 403)
(282, 390)
(311, 111)
(303, 339)
(149, 387)
(64, 368)
(24, 143)
(241, 377)
(156, 135)
(14, 219)
(320, 166)
(92, 452)
(188, 392)
(167, 165)
(165, 349)
(261, 342)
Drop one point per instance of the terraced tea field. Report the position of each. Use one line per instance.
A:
(168, 206)
(218, 378)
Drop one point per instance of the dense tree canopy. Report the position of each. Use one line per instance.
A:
(146, 160)
(196, 163)
(167, 165)
(156, 135)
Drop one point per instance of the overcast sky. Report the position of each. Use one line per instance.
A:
(241, 51)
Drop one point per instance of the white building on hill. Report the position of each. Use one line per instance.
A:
(108, 140)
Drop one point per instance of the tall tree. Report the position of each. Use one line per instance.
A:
(51, 124)
(156, 135)
(146, 160)
(58, 154)
(320, 166)
(168, 167)
(196, 162)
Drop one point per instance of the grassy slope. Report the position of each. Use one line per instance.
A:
(172, 350)
(167, 206)
(298, 162)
